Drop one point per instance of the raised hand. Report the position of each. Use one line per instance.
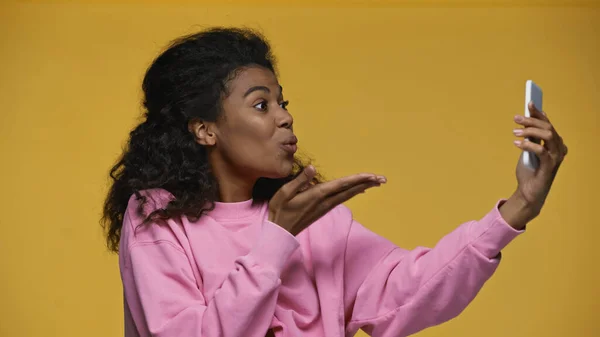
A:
(534, 185)
(297, 204)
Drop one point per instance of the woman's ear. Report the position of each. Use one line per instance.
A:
(203, 132)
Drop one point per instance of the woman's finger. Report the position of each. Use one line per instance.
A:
(343, 196)
(533, 110)
(289, 190)
(533, 122)
(305, 187)
(538, 149)
(550, 138)
(324, 190)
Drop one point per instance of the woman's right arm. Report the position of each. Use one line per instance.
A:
(161, 289)
(164, 298)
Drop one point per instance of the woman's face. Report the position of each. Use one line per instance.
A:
(254, 136)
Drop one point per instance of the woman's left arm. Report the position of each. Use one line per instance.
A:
(390, 291)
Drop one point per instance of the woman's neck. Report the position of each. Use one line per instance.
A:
(234, 191)
(233, 186)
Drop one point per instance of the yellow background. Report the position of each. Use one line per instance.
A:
(423, 92)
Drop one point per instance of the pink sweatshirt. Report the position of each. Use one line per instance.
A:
(233, 273)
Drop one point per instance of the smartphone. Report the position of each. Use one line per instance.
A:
(532, 93)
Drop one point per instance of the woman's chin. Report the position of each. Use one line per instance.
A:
(283, 171)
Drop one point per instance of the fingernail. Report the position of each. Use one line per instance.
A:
(518, 132)
(518, 118)
(517, 142)
(382, 180)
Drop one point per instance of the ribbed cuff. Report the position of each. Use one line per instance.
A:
(492, 233)
(274, 247)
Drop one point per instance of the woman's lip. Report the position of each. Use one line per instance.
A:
(291, 148)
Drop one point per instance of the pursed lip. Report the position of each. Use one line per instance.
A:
(290, 145)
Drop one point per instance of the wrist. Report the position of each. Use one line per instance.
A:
(517, 211)
(273, 217)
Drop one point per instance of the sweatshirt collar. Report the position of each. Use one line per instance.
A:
(234, 210)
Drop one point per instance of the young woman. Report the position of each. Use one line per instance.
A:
(222, 232)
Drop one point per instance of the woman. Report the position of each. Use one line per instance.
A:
(222, 232)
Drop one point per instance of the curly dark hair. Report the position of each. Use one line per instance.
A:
(186, 81)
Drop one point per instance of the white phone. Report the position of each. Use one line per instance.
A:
(532, 93)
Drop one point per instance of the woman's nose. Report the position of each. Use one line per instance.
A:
(285, 120)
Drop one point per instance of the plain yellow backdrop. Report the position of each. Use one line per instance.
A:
(423, 92)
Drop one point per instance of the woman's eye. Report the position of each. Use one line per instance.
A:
(262, 106)
(284, 104)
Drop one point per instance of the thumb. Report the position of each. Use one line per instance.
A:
(305, 177)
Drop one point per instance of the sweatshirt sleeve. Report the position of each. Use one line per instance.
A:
(165, 299)
(390, 291)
